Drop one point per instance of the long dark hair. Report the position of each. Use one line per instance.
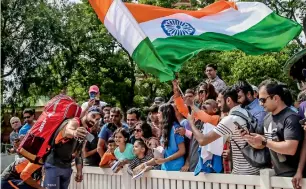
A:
(209, 89)
(169, 118)
(146, 129)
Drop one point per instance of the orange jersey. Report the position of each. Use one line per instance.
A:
(107, 157)
(200, 115)
(21, 168)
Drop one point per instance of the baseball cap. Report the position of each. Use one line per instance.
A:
(94, 88)
(94, 110)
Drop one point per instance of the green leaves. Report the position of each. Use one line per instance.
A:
(50, 46)
(235, 65)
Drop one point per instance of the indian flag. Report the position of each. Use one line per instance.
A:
(160, 40)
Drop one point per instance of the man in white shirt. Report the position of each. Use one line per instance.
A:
(228, 102)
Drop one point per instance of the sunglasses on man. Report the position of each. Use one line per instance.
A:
(264, 100)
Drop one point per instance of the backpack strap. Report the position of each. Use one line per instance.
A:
(243, 116)
(236, 144)
(251, 123)
(58, 130)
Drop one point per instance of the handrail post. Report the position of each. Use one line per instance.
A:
(265, 178)
(126, 179)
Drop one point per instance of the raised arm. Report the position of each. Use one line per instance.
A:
(73, 129)
(203, 139)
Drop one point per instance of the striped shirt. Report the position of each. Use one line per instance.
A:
(137, 161)
(227, 127)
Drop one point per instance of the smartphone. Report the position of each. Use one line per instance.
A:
(89, 137)
(92, 95)
(240, 127)
(97, 102)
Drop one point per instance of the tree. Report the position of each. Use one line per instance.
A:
(50, 46)
(81, 53)
(26, 43)
(236, 65)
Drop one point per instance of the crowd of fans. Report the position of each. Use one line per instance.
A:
(211, 128)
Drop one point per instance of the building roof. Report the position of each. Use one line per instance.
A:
(295, 65)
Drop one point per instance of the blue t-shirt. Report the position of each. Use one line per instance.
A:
(108, 130)
(127, 154)
(24, 129)
(175, 140)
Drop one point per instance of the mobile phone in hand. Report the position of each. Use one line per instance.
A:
(92, 95)
(240, 127)
(89, 137)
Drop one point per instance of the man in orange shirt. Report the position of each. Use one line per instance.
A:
(201, 116)
(21, 174)
(210, 108)
(198, 114)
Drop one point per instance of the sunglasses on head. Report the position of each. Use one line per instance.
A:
(264, 100)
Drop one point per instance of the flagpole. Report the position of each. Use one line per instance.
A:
(178, 85)
(179, 88)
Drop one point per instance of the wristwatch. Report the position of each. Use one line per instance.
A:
(264, 142)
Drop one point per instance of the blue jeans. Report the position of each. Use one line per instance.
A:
(57, 178)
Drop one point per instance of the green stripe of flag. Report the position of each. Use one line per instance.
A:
(167, 55)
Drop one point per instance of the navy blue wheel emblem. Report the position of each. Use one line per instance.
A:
(174, 27)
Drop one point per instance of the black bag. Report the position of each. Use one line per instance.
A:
(259, 158)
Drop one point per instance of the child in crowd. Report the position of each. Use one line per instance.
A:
(143, 154)
(109, 157)
(152, 142)
(124, 151)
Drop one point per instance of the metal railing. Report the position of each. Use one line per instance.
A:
(97, 178)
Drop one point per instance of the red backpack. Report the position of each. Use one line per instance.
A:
(36, 143)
